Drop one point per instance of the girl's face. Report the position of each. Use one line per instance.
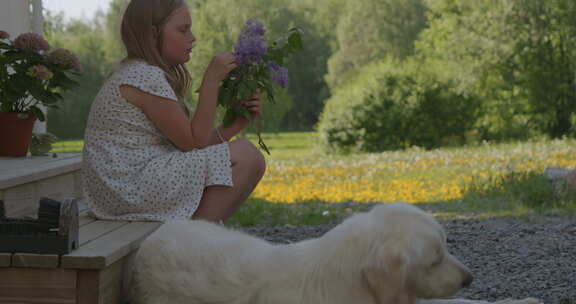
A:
(178, 37)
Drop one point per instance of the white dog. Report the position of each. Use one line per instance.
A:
(394, 254)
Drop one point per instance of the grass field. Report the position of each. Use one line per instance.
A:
(302, 185)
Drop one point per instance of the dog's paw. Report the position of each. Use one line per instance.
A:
(523, 301)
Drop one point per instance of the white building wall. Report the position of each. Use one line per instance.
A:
(15, 17)
(22, 16)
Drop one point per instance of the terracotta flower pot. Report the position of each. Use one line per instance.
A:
(15, 133)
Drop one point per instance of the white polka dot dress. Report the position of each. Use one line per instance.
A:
(130, 170)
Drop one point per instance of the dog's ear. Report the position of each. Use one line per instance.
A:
(386, 267)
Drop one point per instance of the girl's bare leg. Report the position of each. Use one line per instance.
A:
(219, 203)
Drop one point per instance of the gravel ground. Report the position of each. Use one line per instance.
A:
(510, 257)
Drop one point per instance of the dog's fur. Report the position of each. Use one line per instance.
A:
(394, 254)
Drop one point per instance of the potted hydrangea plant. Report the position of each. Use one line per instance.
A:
(31, 74)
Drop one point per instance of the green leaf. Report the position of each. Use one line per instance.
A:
(5, 107)
(229, 117)
(42, 96)
(224, 96)
(243, 92)
(62, 80)
(295, 40)
(38, 113)
(251, 84)
(277, 56)
(247, 89)
(244, 112)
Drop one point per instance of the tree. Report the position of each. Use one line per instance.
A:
(84, 38)
(547, 63)
(372, 30)
(518, 55)
(113, 20)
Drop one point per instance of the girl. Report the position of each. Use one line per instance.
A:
(144, 157)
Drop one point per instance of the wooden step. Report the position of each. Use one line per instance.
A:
(24, 180)
(97, 272)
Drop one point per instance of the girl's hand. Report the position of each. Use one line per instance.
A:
(253, 105)
(220, 66)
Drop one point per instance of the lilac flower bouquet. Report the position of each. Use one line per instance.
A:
(260, 67)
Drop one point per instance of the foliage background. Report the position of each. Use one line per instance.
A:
(377, 74)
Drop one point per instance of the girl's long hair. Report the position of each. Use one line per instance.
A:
(138, 23)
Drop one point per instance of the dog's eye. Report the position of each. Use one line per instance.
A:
(437, 262)
(439, 256)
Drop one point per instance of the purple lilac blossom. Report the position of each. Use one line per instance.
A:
(254, 27)
(278, 74)
(31, 42)
(4, 35)
(251, 44)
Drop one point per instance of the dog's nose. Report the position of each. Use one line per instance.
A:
(468, 278)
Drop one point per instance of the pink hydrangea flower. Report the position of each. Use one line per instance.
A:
(40, 71)
(31, 42)
(65, 59)
(4, 35)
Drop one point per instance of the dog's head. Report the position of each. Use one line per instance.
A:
(407, 254)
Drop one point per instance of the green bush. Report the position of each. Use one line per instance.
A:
(394, 105)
